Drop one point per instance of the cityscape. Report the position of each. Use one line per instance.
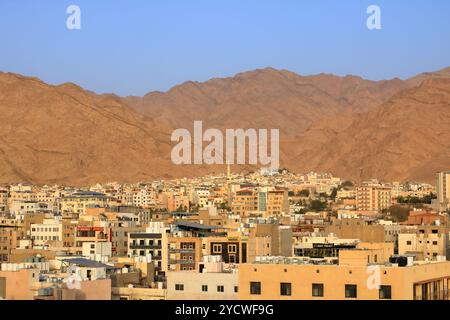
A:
(262, 235)
(216, 159)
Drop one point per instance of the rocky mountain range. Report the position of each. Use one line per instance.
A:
(352, 127)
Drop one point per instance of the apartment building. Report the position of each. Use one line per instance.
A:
(79, 201)
(87, 233)
(3, 201)
(373, 198)
(269, 239)
(213, 282)
(245, 201)
(365, 230)
(119, 239)
(277, 203)
(153, 244)
(185, 253)
(11, 232)
(48, 230)
(233, 250)
(443, 190)
(426, 242)
(294, 279)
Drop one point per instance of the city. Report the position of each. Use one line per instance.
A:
(231, 236)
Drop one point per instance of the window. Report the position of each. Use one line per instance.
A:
(255, 287)
(217, 248)
(232, 248)
(220, 289)
(317, 289)
(350, 291)
(179, 287)
(435, 243)
(385, 292)
(204, 288)
(236, 289)
(408, 243)
(285, 289)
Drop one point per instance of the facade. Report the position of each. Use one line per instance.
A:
(428, 242)
(373, 198)
(278, 281)
(443, 190)
(49, 230)
(211, 283)
(153, 244)
(78, 202)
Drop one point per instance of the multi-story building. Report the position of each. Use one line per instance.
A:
(185, 253)
(119, 239)
(153, 244)
(244, 202)
(373, 198)
(269, 239)
(213, 282)
(48, 230)
(427, 242)
(79, 201)
(233, 250)
(443, 190)
(11, 232)
(351, 279)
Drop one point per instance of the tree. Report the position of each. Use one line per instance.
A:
(334, 193)
(303, 193)
(347, 183)
(317, 205)
(399, 213)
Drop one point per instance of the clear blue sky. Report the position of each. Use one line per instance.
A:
(135, 46)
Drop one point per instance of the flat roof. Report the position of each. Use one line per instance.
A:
(194, 225)
(83, 262)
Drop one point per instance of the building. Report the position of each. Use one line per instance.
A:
(79, 201)
(213, 282)
(245, 201)
(294, 279)
(364, 230)
(153, 244)
(373, 198)
(185, 253)
(427, 242)
(443, 190)
(269, 239)
(49, 230)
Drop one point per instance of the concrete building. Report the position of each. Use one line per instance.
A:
(212, 283)
(427, 242)
(49, 230)
(373, 198)
(350, 279)
(443, 190)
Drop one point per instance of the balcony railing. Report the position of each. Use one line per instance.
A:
(145, 246)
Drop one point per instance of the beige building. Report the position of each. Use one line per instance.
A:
(79, 201)
(213, 283)
(49, 230)
(443, 190)
(373, 198)
(351, 279)
(428, 242)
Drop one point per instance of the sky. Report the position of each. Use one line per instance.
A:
(131, 47)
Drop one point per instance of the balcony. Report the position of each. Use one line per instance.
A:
(145, 246)
(182, 262)
(175, 250)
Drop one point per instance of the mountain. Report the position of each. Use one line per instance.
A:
(406, 138)
(64, 134)
(394, 129)
(264, 98)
